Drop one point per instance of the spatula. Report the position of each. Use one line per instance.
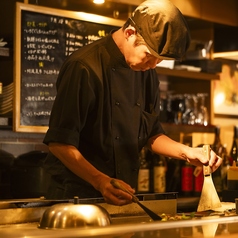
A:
(209, 199)
(135, 199)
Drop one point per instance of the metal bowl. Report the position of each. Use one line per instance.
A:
(64, 215)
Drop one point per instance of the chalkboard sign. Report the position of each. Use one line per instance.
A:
(44, 38)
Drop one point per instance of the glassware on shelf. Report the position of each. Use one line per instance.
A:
(178, 107)
(202, 116)
(187, 115)
(187, 109)
(199, 114)
(192, 120)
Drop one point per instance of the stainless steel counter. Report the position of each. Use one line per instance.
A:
(31, 210)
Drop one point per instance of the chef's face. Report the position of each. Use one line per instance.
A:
(138, 56)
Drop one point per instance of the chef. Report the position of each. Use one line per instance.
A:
(107, 107)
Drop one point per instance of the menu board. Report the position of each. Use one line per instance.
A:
(44, 38)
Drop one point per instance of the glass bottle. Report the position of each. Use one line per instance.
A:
(234, 147)
(217, 147)
(159, 173)
(173, 175)
(0, 87)
(224, 167)
(144, 172)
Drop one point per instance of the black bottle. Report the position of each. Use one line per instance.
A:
(225, 167)
(173, 175)
(217, 147)
(234, 147)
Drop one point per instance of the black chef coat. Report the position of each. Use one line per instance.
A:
(106, 110)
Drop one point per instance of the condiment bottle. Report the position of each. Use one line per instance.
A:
(187, 179)
(159, 173)
(144, 172)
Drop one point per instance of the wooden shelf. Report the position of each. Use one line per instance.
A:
(187, 74)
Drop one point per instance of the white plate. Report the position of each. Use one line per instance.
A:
(189, 68)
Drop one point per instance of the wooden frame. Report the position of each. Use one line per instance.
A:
(19, 59)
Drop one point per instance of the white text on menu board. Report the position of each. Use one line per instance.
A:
(41, 42)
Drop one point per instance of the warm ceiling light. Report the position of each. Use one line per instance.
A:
(98, 1)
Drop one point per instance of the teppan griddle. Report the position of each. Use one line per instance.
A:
(127, 221)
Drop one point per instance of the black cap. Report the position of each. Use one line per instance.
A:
(163, 28)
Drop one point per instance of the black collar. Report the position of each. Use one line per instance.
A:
(117, 58)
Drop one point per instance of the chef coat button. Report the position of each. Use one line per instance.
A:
(138, 104)
(117, 137)
(117, 103)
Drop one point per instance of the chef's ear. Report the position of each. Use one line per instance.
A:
(130, 30)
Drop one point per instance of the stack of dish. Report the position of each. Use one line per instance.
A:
(4, 51)
(6, 99)
(2, 43)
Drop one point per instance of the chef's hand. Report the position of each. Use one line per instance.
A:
(196, 156)
(114, 195)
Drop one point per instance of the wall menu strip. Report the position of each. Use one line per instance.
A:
(44, 38)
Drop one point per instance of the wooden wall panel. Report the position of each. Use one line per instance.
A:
(218, 11)
(190, 8)
(223, 11)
